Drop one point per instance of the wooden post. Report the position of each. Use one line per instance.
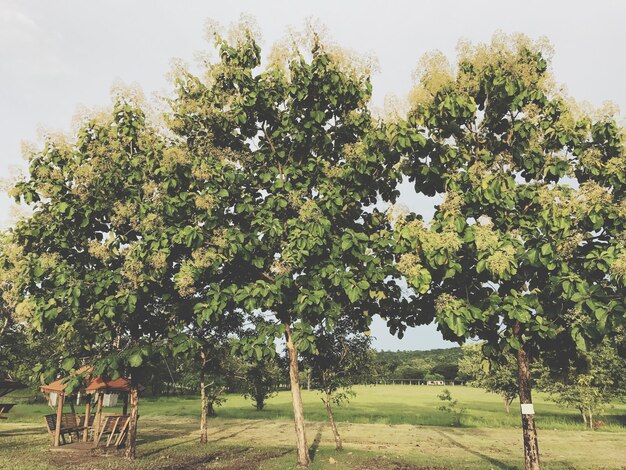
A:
(87, 416)
(131, 437)
(57, 430)
(125, 404)
(98, 418)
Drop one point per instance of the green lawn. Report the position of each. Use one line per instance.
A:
(383, 404)
(384, 427)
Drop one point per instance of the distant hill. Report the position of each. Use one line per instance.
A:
(433, 364)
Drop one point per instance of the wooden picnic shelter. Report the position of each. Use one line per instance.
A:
(61, 423)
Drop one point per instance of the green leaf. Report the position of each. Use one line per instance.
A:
(68, 363)
(135, 360)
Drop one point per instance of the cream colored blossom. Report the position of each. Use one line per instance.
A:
(133, 267)
(185, 280)
(433, 73)
(618, 268)
(158, 261)
(447, 303)
(309, 211)
(25, 310)
(589, 195)
(485, 237)
(354, 152)
(205, 201)
(220, 238)
(203, 258)
(500, 262)
(452, 203)
(566, 247)
(279, 267)
(410, 265)
(173, 157)
(151, 223)
(447, 241)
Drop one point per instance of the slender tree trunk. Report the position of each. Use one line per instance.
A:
(331, 420)
(296, 399)
(131, 438)
(531, 445)
(204, 412)
(584, 413)
(590, 418)
(507, 404)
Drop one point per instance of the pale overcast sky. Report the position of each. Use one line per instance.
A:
(58, 55)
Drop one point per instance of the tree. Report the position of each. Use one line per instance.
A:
(308, 244)
(496, 377)
(205, 346)
(591, 383)
(91, 251)
(261, 378)
(342, 357)
(517, 250)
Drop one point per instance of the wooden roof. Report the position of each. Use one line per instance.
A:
(94, 384)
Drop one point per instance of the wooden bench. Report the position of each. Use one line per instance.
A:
(4, 409)
(70, 425)
(113, 425)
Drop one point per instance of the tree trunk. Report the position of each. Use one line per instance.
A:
(204, 412)
(131, 438)
(531, 445)
(296, 399)
(590, 418)
(584, 413)
(507, 404)
(331, 420)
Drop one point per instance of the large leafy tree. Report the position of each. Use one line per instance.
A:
(93, 251)
(517, 250)
(309, 246)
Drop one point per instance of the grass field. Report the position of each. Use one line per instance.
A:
(384, 427)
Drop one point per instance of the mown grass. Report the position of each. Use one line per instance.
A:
(381, 404)
(384, 428)
(237, 444)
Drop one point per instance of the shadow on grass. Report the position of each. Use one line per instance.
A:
(164, 448)
(156, 438)
(495, 462)
(316, 443)
(34, 431)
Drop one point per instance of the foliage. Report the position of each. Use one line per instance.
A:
(514, 249)
(88, 251)
(342, 358)
(450, 406)
(302, 244)
(261, 379)
(589, 387)
(418, 364)
(494, 376)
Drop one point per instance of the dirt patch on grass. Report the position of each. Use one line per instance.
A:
(382, 463)
(61, 459)
(224, 459)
